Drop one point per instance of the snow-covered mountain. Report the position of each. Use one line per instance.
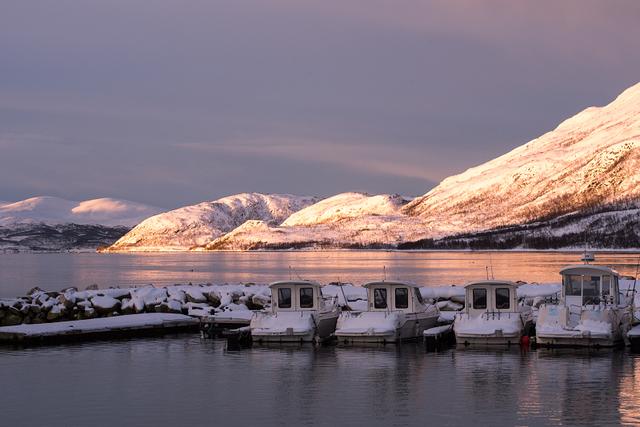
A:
(54, 210)
(347, 220)
(589, 160)
(184, 228)
(55, 224)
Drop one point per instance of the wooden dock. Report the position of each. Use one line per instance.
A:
(103, 328)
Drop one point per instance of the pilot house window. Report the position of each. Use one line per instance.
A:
(502, 299)
(284, 298)
(380, 298)
(572, 285)
(402, 298)
(306, 297)
(591, 290)
(480, 298)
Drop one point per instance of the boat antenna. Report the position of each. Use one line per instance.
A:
(290, 274)
(486, 269)
(384, 272)
(491, 266)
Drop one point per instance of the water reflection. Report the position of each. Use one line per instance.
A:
(183, 380)
(20, 272)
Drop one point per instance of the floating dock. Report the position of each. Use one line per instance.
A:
(107, 327)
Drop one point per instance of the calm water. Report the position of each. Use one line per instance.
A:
(20, 272)
(183, 380)
(186, 381)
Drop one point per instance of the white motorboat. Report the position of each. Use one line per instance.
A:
(396, 312)
(299, 313)
(590, 312)
(492, 315)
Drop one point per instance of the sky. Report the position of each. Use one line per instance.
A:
(174, 102)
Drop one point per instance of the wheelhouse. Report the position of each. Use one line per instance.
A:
(590, 285)
(300, 295)
(490, 296)
(394, 296)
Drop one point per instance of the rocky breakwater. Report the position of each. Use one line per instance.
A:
(40, 306)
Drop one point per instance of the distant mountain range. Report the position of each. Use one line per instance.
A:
(579, 181)
(54, 224)
(195, 226)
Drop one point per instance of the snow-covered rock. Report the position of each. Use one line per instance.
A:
(192, 226)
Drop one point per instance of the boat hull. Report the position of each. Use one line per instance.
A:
(319, 331)
(578, 341)
(488, 340)
(410, 329)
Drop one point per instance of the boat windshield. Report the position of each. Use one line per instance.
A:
(284, 297)
(591, 290)
(502, 299)
(480, 298)
(402, 297)
(418, 295)
(306, 297)
(380, 298)
(572, 285)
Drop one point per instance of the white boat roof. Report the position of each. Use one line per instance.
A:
(391, 283)
(600, 268)
(294, 283)
(492, 283)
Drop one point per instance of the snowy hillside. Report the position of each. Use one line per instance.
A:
(348, 220)
(197, 225)
(54, 210)
(589, 160)
(614, 226)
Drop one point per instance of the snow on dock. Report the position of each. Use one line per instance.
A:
(132, 324)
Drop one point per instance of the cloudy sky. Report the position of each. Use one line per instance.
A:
(175, 102)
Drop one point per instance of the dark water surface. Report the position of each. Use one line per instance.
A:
(20, 272)
(186, 381)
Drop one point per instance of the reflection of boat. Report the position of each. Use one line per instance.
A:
(299, 313)
(591, 311)
(396, 312)
(492, 315)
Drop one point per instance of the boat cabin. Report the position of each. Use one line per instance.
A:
(394, 296)
(590, 285)
(298, 295)
(490, 296)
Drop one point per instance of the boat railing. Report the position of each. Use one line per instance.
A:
(497, 315)
(491, 315)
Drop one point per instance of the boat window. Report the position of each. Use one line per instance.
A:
(572, 285)
(284, 297)
(591, 290)
(306, 297)
(606, 286)
(502, 299)
(380, 298)
(418, 295)
(480, 298)
(402, 297)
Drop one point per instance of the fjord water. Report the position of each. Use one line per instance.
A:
(21, 272)
(185, 380)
